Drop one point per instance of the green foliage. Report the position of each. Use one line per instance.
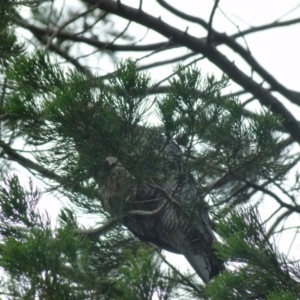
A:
(17, 206)
(282, 295)
(73, 124)
(36, 73)
(194, 107)
(59, 263)
(83, 124)
(262, 272)
(9, 47)
(37, 259)
(146, 278)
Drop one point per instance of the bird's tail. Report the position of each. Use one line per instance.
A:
(204, 267)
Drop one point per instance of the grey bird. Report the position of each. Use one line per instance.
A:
(157, 210)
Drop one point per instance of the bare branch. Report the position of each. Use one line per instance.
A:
(173, 74)
(118, 36)
(216, 37)
(183, 15)
(244, 53)
(211, 21)
(28, 164)
(92, 41)
(147, 213)
(67, 57)
(168, 61)
(204, 24)
(284, 215)
(266, 27)
(279, 186)
(99, 230)
(216, 57)
(273, 195)
(60, 28)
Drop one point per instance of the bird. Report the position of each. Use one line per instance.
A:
(160, 210)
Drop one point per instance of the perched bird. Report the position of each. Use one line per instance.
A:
(157, 210)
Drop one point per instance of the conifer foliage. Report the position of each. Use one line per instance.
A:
(68, 122)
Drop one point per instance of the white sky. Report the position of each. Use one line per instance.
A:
(277, 50)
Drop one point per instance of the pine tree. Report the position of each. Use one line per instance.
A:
(70, 123)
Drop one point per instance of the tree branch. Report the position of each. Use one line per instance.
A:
(99, 230)
(219, 38)
(113, 222)
(66, 56)
(29, 164)
(216, 37)
(168, 61)
(204, 24)
(147, 213)
(265, 27)
(71, 20)
(211, 21)
(273, 195)
(92, 41)
(285, 214)
(216, 57)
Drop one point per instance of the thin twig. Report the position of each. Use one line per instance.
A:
(292, 242)
(67, 57)
(102, 15)
(167, 61)
(60, 28)
(173, 74)
(219, 59)
(211, 21)
(273, 195)
(118, 36)
(35, 30)
(278, 220)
